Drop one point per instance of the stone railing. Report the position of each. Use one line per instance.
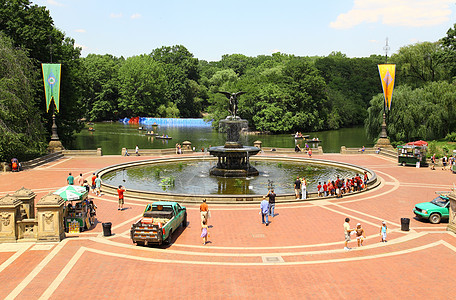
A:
(41, 160)
(345, 150)
(97, 152)
(153, 152)
(276, 150)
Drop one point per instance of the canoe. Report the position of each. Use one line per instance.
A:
(163, 137)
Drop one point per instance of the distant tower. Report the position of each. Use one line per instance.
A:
(386, 48)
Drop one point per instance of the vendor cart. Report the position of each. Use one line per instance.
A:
(412, 154)
(79, 213)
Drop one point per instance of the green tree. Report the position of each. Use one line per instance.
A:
(21, 132)
(419, 63)
(31, 27)
(142, 87)
(448, 54)
(422, 113)
(180, 69)
(101, 93)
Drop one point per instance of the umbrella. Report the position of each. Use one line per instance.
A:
(71, 192)
(418, 143)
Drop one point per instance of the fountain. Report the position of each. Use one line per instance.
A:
(233, 157)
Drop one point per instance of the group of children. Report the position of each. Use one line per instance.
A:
(360, 234)
(342, 186)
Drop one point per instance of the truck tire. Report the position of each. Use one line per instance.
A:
(184, 222)
(435, 218)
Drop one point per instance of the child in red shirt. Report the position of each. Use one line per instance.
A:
(319, 189)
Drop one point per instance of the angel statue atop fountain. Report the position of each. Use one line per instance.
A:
(233, 97)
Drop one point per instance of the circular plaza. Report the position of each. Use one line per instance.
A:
(302, 247)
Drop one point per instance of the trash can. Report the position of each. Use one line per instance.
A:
(405, 224)
(107, 228)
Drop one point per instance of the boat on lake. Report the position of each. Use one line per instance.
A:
(161, 137)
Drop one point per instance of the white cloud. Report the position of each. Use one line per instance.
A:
(135, 16)
(408, 13)
(276, 51)
(55, 3)
(115, 16)
(80, 30)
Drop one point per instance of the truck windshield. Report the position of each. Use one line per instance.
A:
(440, 201)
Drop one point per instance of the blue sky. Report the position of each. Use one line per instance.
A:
(210, 29)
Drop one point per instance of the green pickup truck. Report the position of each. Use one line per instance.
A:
(159, 221)
(435, 211)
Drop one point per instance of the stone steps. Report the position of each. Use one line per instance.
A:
(41, 160)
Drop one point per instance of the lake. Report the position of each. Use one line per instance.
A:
(112, 137)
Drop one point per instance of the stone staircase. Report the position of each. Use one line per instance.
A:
(41, 160)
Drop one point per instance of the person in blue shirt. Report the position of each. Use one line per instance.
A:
(264, 210)
(70, 179)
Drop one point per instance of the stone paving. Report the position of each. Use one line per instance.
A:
(300, 255)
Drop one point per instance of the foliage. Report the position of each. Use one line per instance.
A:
(102, 93)
(422, 113)
(142, 87)
(419, 63)
(31, 28)
(21, 132)
(181, 72)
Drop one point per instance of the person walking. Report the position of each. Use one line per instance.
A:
(86, 185)
(297, 187)
(98, 186)
(360, 235)
(383, 230)
(70, 179)
(319, 189)
(271, 195)
(204, 232)
(303, 188)
(93, 182)
(347, 231)
(204, 211)
(79, 180)
(120, 192)
(264, 210)
(137, 150)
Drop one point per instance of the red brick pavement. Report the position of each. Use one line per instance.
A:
(306, 237)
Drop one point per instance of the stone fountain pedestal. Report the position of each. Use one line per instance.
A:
(233, 157)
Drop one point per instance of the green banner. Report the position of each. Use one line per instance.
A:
(51, 78)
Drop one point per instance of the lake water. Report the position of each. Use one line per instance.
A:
(112, 137)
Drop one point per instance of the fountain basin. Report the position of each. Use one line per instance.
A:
(187, 195)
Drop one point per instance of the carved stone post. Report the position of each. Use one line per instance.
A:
(9, 213)
(50, 218)
(452, 221)
(187, 145)
(27, 198)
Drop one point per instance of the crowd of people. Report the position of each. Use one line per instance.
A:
(342, 186)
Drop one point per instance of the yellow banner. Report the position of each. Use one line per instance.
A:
(387, 75)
